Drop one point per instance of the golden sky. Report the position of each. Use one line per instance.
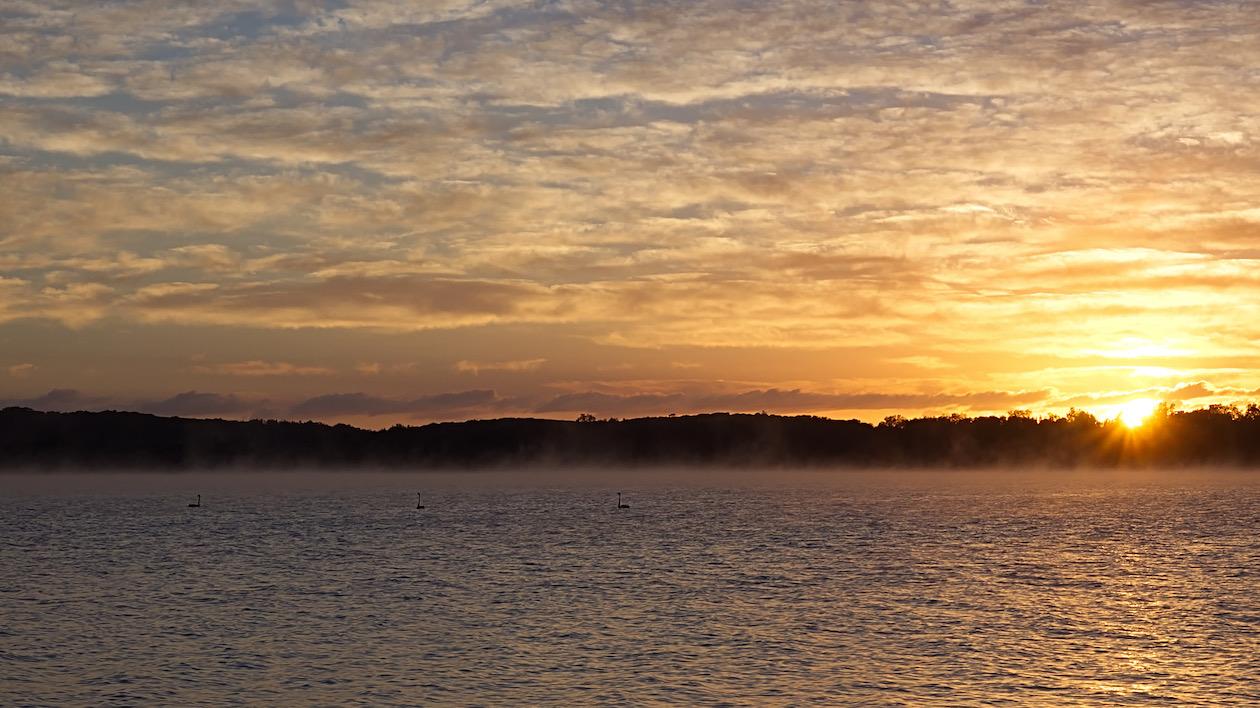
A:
(378, 212)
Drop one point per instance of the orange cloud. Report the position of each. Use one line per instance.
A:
(263, 368)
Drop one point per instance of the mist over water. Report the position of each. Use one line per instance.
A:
(745, 588)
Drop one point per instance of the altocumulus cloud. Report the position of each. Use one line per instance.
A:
(1005, 187)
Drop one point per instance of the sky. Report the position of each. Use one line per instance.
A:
(377, 212)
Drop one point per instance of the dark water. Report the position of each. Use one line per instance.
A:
(847, 589)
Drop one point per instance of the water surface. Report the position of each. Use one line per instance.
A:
(825, 588)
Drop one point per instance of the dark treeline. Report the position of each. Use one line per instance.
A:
(1218, 435)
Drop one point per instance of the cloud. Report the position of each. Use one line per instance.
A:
(188, 403)
(195, 403)
(360, 404)
(56, 79)
(21, 371)
(396, 303)
(594, 401)
(796, 399)
(60, 399)
(476, 367)
(1189, 391)
(1200, 392)
(263, 368)
(782, 401)
(485, 403)
(944, 197)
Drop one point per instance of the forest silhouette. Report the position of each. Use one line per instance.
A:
(1217, 435)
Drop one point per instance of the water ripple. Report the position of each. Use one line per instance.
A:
(849, 593)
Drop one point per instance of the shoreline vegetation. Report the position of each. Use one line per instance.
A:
(113, 440)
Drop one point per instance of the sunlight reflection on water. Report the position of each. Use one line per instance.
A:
(841, 588)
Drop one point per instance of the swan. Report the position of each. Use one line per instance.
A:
(418, 504)
(619, 504)
(197, 504)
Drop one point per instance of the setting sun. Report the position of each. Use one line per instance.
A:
(1134, 413)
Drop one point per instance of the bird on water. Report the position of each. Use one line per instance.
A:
(196, 504)
(619, 504)
(418, 504)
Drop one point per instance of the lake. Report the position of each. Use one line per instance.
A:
(890, 588)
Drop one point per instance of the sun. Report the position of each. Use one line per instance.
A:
(1134, 413)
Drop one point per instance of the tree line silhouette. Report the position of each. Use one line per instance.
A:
(1216, 435)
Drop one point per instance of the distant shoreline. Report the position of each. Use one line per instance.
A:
(125, 441)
